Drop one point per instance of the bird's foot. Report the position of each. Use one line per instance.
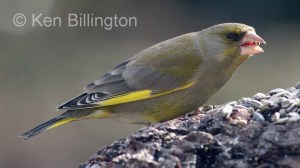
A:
(198, 111)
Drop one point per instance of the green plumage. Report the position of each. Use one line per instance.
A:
(203, 60)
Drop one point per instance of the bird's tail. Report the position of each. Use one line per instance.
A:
(57, 121)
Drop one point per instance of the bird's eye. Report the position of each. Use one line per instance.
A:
(232, 36)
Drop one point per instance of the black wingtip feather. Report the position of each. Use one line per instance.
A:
(72, 103)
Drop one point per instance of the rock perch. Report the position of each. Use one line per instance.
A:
(260, 131)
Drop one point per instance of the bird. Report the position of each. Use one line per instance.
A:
(164, 81)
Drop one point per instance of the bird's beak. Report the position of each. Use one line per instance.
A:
(251, 44)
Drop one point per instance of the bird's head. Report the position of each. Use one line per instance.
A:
(232, 40)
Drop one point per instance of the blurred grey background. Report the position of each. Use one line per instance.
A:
(42, 67)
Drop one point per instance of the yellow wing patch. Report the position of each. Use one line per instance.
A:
(139, 95)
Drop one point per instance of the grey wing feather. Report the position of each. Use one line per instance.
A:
(148, 78)
(126, 79)
(108, 86)
(121, 80)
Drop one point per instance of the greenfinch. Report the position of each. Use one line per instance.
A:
(164, 81)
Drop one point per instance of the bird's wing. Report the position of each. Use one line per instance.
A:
(159, 70)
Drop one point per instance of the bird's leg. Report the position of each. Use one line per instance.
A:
(198, 111)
